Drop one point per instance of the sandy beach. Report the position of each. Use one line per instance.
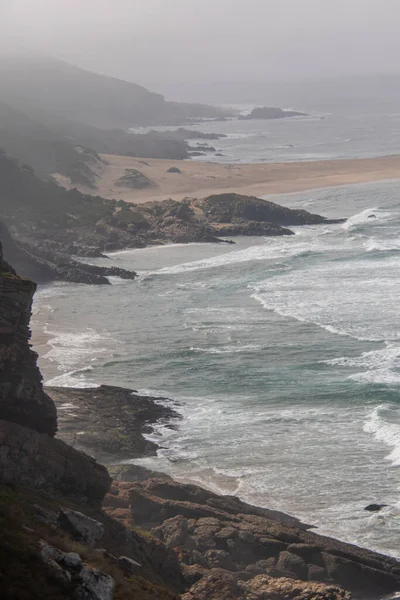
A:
(199, 179)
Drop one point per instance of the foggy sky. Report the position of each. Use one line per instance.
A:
(152, 41)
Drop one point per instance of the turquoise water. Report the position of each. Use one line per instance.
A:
(283, 354)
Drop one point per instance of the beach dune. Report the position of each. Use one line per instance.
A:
(200, 179)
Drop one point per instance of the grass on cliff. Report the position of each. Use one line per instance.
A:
(23, 575)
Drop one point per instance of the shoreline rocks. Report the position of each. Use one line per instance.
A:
(223, 540)
(49, 225)
(109, 422)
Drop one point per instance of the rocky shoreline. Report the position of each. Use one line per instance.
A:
(226, 549)
(46, 227)
(110, 422)
(70, 532)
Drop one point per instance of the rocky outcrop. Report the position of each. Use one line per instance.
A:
(84, 582)
(271, 112)
(239, 209)
(110, 422)
(222, 585)
(229, 549)
(51, 225)
(52, 262)
(37, 461)
(22, 399)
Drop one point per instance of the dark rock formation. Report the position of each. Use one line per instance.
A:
(229, 549)
(375, 507)
(22, 399)
(80, 526)
(205, 148)
(110, 420)
(48, 262)
(51, 225)
(236, 208)
(39, 462)
(271, 112)
(174, 170)
(190, 134)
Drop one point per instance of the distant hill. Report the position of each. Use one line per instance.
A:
(58, 118)
(51, 144)
(47, 150)
(53, 85)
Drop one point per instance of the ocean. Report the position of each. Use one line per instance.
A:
(283, 354)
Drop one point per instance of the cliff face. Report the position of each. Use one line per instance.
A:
(28, 417)
(22, 398)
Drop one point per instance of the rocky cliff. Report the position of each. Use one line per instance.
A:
(22, 398)
(50, 493)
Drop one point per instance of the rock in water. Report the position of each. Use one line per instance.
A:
(375, 507)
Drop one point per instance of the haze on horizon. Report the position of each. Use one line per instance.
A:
(155, 42)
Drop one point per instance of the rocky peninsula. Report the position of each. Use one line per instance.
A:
(46, 227)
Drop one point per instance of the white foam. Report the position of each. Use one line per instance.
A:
(368, 215)
(72, 348)
(383, 365)
(384, 430)
(275, 248)
(376, 245)
(119, 280)
(73, 379)
(228, 349)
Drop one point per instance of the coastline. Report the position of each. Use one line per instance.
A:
(216, 535)
(201, 179)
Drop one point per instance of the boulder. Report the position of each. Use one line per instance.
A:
(294, 564)
(72, 561)
(80, 526)
(216, 585)
(94, 585)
